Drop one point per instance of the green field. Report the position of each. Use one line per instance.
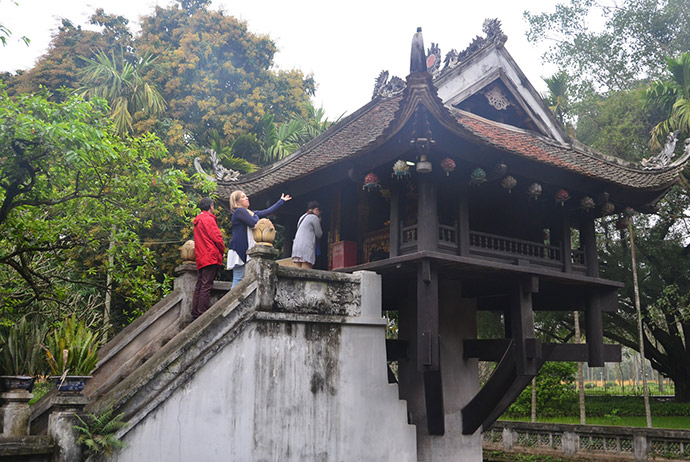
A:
(677, 422)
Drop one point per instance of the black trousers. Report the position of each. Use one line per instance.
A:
(202, 291)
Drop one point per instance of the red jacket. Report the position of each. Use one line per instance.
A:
(208, 242)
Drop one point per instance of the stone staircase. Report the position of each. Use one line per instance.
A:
(289, 365)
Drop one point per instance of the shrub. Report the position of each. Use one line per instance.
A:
(72, 348)
(555, 394)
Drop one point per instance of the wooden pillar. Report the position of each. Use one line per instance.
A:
(588, 239)
(394, 236)
(428, 345)
(427, 316)
(427, 214)
(562, 233)
(594, 330)
(464, 222)
(522, 326)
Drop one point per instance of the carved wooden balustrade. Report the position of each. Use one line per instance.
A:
(497, 248)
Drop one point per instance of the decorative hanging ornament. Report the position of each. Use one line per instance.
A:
(478, 176)
(534, 191)
(509, 183)
(371, 182)
(607, 208)
(448, 165)
(400, 170)
(500, 169)
(561, 196)
(587, 204)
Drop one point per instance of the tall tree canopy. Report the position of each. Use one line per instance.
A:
(611, 65)
(216, 74)
(633, 42)
(60, 66)
(69, 185)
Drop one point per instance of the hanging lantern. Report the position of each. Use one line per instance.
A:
(607, 208)
(478, 176)
(509, 183)
(448, 165)
(534, 191)
(500, 169)
(587, 204)
(371, 182)
(561, 196)
(400, 170)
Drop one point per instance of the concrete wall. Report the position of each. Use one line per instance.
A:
(291, 386)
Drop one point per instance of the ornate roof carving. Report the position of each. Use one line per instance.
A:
(494, 36)
(386, 88)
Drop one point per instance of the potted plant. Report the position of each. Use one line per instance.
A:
(21, 358)
(72, 353)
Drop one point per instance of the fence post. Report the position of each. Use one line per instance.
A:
(570, 443)
(640, 447)
(508, 438)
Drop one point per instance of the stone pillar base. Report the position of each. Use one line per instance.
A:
(15, 412)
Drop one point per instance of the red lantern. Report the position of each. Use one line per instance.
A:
(448, 165)
(371, 182)
(561, 196)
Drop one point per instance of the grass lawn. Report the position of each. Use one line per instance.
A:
(675, 422)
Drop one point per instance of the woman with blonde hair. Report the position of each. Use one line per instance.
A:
(243, 221)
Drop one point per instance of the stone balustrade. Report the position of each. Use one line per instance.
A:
(588, 442)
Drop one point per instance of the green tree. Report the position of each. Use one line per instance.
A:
(120, 82)
(617, 123)
(664, 275)
(672, 96)
(217, 75)
(60, 66)
(555, 392)
(636, 38)
(557, 97)
(67, 180)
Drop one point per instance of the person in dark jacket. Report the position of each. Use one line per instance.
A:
(209, 250)
(243, 221)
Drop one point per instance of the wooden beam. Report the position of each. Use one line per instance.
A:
(495, 349)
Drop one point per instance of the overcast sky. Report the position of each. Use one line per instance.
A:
(344, 44)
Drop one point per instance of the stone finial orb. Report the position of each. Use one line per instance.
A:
(264, 232)
(187, 252)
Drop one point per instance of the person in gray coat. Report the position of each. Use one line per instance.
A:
(308, 231)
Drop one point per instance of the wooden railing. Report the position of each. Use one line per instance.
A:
(491, 245)
(495, 247)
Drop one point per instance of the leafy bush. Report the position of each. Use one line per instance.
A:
(21, 349)
(72, 348)
(97, 433)
(555, 394)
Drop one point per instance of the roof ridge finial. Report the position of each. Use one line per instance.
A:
(417, 55)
